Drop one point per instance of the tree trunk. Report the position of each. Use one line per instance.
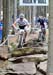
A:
(50, 53)
(6, 17)
(15, 9)
(0, 8)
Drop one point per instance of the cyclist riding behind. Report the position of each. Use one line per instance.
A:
(42, 24)
(22, 23)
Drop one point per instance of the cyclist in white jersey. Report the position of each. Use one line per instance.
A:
(22, 22)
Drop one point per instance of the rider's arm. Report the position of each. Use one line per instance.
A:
(28, 26)
(14, 24)
(27, 23)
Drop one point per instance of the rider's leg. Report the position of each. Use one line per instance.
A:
(27, 31)
(44, 33)
(25, 36)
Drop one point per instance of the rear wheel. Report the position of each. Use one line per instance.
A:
(40, 36)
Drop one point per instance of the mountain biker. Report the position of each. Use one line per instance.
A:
(41, 21)
(22, 24)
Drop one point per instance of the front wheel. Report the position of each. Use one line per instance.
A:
(20, 41)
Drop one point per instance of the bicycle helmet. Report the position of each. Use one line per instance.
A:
(21, 15)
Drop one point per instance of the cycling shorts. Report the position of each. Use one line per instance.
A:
(22, 27)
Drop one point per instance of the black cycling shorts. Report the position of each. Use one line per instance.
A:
(22, 27)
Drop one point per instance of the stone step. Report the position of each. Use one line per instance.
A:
(23, 68)
(42, 67)
(29, 58)
(28, 51)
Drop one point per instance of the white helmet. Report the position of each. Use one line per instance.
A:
(21, 15)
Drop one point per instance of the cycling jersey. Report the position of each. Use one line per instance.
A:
(41, 21)
(22, 23)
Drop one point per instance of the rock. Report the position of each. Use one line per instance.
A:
(29, 58)
(28, 51)
(3, 64)
(42, 68)
(12, 39)
(3, 52)
(32, 36)
(28, 68)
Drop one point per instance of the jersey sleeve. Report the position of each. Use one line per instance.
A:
(16, 21)
(27, 23)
